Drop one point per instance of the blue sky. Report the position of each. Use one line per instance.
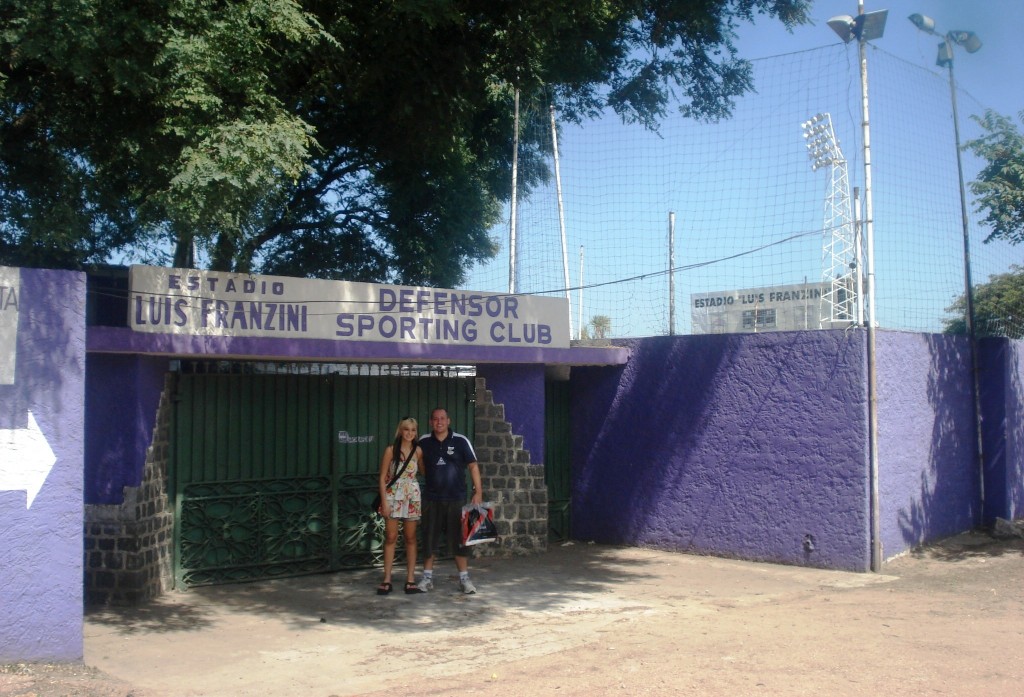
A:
(994, 75)
(746, 183)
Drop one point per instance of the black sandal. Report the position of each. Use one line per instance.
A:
(384, 589)
(411, 588)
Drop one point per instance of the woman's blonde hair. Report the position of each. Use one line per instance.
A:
(396, 447)
(406, 421)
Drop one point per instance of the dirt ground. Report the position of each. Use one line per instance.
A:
(579, 620)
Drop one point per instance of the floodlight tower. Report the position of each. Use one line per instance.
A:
(839, 251)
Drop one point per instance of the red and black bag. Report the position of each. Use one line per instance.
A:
(478, 524)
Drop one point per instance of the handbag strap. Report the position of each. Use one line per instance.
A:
(402, 469)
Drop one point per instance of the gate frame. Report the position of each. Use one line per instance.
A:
(346, 397)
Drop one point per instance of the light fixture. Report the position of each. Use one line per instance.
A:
(822, 146)
(967, 39)
(923, 22)
(944, 58)
(843, 26)
(865, 27)
(872, 25)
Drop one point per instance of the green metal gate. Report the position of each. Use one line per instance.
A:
(272, 471)
(557, 471)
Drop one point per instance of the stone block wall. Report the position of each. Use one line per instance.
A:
(128, 547)
(514, 485)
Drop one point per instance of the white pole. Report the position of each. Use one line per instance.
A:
(671, 273)
(580, 295)
(859, 251)
(561, 215)
(512, 217)
(876, 526)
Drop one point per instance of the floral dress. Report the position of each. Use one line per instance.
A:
(404, 495)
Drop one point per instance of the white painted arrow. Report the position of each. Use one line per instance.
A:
(25, 459)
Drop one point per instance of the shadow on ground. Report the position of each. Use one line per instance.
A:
(553, 581)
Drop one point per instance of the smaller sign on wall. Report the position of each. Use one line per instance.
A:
(10, 297)
(345, 438)
(776, 308)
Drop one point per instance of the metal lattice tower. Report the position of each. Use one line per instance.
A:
(839, 257)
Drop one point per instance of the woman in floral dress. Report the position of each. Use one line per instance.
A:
(401, 501)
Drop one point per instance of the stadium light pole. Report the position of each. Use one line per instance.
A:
(864, 28)
(970, 42)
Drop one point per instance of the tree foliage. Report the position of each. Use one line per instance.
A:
(365, 140)
(998, 307)
(1000, 184)
(125, 124)
(602, 326)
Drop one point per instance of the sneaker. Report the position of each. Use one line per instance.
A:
(467, 586)
(426, 584)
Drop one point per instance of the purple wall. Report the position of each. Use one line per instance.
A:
(928, 468)
(1001, 364)
(520, 388)
(748, 446)
(41, 540)
(122, 394)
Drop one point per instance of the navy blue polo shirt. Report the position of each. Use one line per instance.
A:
(445, 464)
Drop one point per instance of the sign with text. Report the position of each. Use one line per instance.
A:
(776, 308)
(10, 292)
(211, 303)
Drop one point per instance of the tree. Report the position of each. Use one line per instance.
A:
(1000, 184)
(126, 124)
(998, 307)
(365, 140)
(602, 326)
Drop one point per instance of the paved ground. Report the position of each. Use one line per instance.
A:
(580, 620)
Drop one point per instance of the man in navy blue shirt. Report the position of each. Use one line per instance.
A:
(446, 457)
